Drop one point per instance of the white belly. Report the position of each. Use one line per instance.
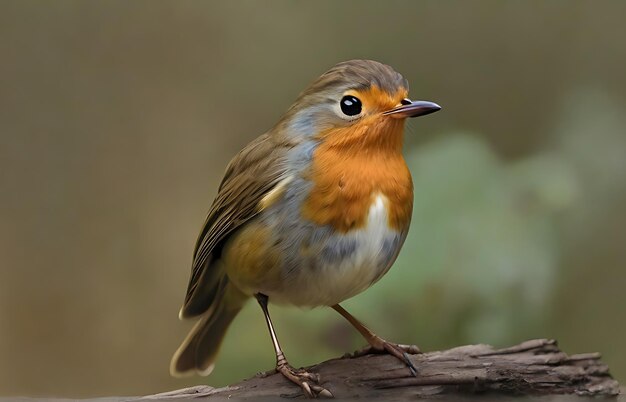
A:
(373, 249)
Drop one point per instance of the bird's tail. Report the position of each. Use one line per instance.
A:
(198, 351)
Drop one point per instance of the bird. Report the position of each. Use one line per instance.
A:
(311, 213)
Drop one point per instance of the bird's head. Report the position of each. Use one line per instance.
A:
(355, 103)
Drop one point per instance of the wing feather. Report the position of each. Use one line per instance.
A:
(249, 177)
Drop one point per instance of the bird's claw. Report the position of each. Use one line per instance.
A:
(370, 350)
(309, 382)
(409, 363)
(402, 352)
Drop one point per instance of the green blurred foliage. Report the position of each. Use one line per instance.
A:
(117, 119)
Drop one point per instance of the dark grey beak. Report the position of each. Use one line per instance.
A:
(413, 109)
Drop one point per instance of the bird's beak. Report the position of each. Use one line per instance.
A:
(413, 109)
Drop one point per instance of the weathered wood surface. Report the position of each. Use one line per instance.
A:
(533, 368)
(536, 369)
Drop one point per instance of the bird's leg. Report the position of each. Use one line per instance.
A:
(378, 344)
(309, 382)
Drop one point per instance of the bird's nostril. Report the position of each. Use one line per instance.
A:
(406, 101)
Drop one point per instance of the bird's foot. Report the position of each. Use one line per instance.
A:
(402, 352)
(309, 382)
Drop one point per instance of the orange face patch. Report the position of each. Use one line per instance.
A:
(372, 129)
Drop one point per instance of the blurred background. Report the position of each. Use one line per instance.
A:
(117, 119)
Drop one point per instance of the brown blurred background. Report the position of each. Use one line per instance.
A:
(117, 119)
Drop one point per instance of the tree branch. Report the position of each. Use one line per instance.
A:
(535, 367)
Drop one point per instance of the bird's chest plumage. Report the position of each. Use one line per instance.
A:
(346, 184)
(364, 201)
(336, 230)
(333, 229)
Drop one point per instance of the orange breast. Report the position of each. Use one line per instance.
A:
(351, 166)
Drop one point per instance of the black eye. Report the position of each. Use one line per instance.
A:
(406, 101)
(350, 105)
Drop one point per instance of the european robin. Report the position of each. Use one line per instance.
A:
(310, 213)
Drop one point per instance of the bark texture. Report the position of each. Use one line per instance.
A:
(537, 369)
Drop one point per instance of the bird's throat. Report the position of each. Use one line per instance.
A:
(371, 134)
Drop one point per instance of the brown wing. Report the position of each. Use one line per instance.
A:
(252, 174)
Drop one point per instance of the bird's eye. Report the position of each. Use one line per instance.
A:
(406, 101)
(350, 105)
